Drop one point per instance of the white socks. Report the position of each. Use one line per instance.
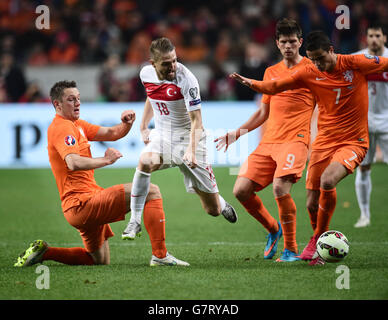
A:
(222, 202)
(363, 191)
(140, 187)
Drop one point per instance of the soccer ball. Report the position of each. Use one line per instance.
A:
(332, 246)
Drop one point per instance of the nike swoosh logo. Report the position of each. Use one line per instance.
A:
(320, 78)
(133, 196)
(270, 248)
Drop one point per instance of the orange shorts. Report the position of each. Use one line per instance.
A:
(91, 217)
(350, 156)
(274, 160)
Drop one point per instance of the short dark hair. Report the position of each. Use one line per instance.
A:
(56, 92)
(317, 40)
(288, 27)
(160, 45)
(375, 25)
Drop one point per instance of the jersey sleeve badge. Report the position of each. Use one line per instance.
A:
(369, 56)
(70, 140)
(194, 94)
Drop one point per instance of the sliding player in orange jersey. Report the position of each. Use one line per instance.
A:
(281, 155)
(339, 85)
(87, 206)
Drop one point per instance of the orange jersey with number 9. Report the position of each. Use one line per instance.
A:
(290, 111)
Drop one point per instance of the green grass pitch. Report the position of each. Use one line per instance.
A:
(226, 259)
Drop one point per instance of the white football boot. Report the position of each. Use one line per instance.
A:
(229, 213)
(362, 222)
(132, 231)
(168, 260)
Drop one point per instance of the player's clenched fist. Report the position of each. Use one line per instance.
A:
(128, 116)
(112, 155)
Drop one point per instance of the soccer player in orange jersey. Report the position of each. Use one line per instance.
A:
(87, 206)
(281, 155)
(339, 85)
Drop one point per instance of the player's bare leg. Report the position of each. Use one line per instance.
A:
(244, 188)
(282, 185)
(312, 204)
(333, 174)
(148, 163)
(102, 254)
(363, 190)
(214, 204)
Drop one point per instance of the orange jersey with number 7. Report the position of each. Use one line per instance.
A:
(341, 95)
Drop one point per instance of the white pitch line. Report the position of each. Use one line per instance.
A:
(217, 243)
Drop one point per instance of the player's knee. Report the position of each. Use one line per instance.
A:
(149, 163)
(241, 194)
(328, 183)
(279, 191)
(145, 166)
(154, 192)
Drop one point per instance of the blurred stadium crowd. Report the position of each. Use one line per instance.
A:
(110, 33)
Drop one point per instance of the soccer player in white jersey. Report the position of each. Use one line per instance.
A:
(179, 139)
(377, 122)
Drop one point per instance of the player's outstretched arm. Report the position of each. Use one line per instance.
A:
(255, 120)
(370, 64)
(268, 87)
(76, 162)
(118, 131)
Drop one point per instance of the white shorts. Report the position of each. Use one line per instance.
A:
(376, 138)
(171, 152)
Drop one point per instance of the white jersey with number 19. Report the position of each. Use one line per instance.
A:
(172, 100)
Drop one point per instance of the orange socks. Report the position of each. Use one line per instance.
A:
(327, 203)
(71, 256)
(287, 214)
(154, 222)
(256, 209)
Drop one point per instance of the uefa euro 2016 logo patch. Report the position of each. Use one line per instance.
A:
(369, 56)
(70, 141)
